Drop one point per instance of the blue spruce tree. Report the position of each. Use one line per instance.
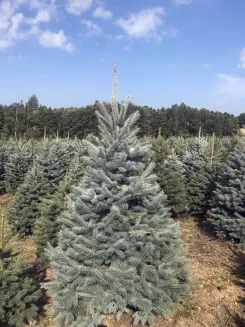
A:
(118, 248)
(227, 213)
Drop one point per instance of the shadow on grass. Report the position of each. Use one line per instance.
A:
(237, 268)
(37, 271)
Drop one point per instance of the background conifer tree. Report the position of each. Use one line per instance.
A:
(15, 170)
(25, 209)
(202, 161)
(2, 170)
(118, 247)
(18, 294)
(55, 160)
(47, 226)
(227, 213)
(171, 177)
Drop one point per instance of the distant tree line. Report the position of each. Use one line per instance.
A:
(34, 120)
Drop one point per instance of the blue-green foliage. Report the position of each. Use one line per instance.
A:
(227, 213)
(47, 225)
(24, 211)
(55, 160)
(118, 247)
(17, 157)
(41, 180)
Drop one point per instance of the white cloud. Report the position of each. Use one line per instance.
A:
(77, 7)
(100, 12)
(242, 59)
(93, 29)
(206, 65)
(14, 26)
(10, 24)
(183, 2)
(42, 16)
(4, 44)
(231, 86)
(144, 24)
(56, 40)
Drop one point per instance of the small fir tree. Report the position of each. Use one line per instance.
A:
(160, 148)
(18, 294)
(55, 160)
(227, 213)
(2, 170)
(194, 156)
(25, 209)
(47, 226)
(118, 247)
(172, 180)
(208, 155)
(15, 170)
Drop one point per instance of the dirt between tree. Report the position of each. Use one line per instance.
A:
(218, 296)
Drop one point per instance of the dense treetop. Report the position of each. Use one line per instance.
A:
(33, 120)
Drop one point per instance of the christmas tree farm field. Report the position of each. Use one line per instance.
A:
(217, 298)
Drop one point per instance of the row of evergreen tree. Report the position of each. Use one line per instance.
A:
(114, 245)
(32, 120)
(206, 180)
(41, 175)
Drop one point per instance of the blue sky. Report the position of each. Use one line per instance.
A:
(168, 51)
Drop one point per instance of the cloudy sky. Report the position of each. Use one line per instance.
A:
(168, 51)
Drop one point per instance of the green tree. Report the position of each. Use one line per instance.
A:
(241, 119)
(18, 294)
(32, 106)
(24, 211)
(171, 175)
(227, 208)
(51, 207)
(15, 170)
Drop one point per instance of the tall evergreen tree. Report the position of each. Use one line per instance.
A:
(118, 247)
(227, 213)
(18, 294)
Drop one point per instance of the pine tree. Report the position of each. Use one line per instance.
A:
(171, 175)
(55, 160)
(160, 148)
(25, 209)
(208, 156)
(194, 156)
(15, 170)
(2, 170)
(118, 247)
(51, 207)
(18, 294)
(227, 213)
